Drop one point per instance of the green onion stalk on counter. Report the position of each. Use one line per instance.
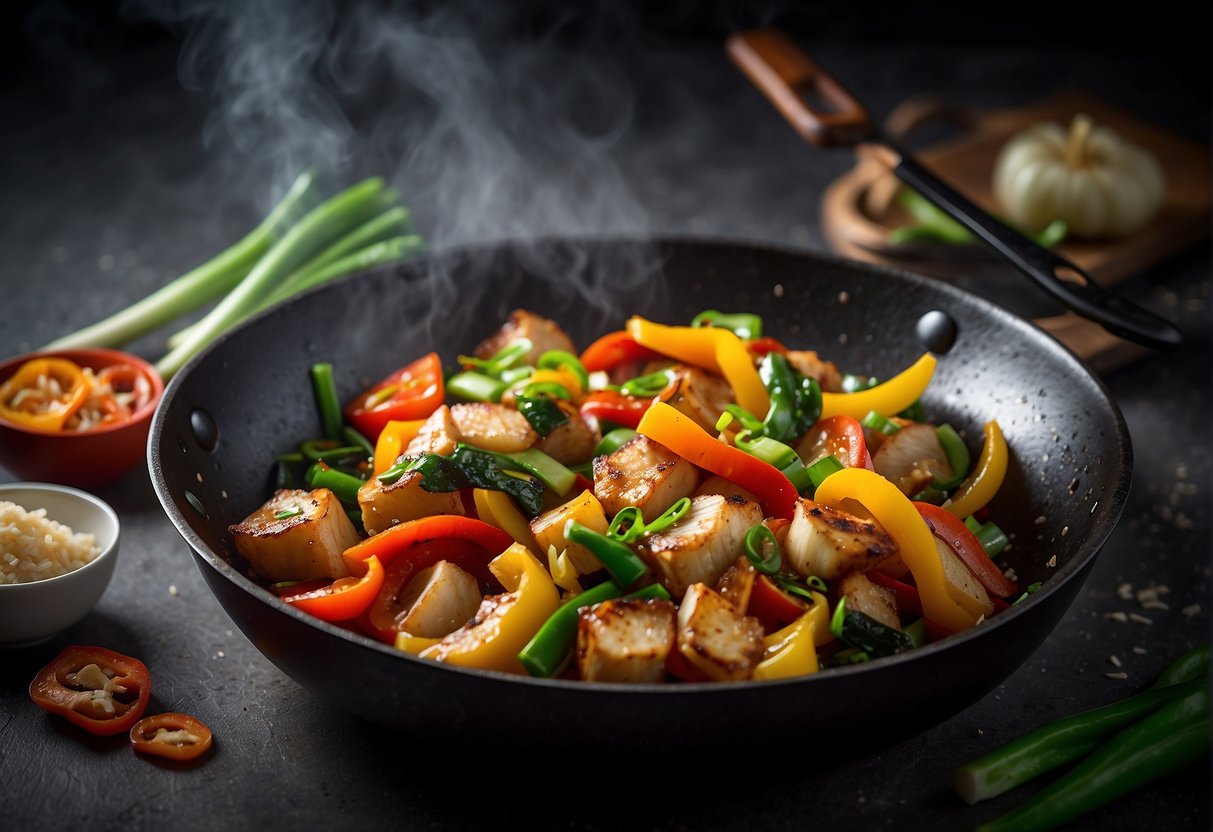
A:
(305, 241)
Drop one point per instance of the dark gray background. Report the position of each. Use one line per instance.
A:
(107, 191)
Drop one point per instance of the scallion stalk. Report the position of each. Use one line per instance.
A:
(475, 387)
(326, 400)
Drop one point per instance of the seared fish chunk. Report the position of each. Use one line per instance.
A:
(625, 640)
(717, 639)
(912, 458)
(717, 484)
(866, 597)
(384, 506)
(809, 364)
(571, 442)
(437, 436)
(296, 536)
(438, 601)
(544, 335)
(700, 395)
(700, 547)
(493, 427)
(964, 587)
(829, 543)
(644, 474)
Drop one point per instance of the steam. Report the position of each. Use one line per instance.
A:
(488, 131)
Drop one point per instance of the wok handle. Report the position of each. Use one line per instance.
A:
(816, 105)
(1053, 273)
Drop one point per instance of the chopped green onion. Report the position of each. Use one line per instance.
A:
(817, 583)
(768, 450)
(915, 412)
(627, 526)
(822, 468)
(669, 517)
(992, 539)
(326, 400)
(958, 457)
(334, 456)
(287, 513)
(840, 614)
(791, 586)
(762, 548)
(547, 388)
(476, 387)
(1032, 587)
(917, 632)
(972, 524)
(615, 440)
(550, 472)
(747, 420)
(500, 361)
(559, 359)
(877, 422)
(344, 485)
(647, 386)
(516, 374)
(742, 324)
(624, 565)
(353, 437)
(543, 414)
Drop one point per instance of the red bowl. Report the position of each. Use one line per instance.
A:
(84, 459)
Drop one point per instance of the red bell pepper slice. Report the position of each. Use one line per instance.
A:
(613, 349)
(842, 438)
(416, 545)
(952, 531)
(772, 606)
(97, 689)
(765, 345)
(904, 595)
(187, 737)
(344, 598)
(412, 392)
(616, 408)
(666, 426)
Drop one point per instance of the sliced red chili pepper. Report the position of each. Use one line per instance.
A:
(764, 345)
(412, 392)
(952, 531)
(124, 378)
(173, 736)
(101, 691)
(840, 437)
(344, 598)
(616, 408)
(613, 349)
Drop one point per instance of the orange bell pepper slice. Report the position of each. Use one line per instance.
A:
(343, 599)
(666, 426)
(38, 409)
(396, 436)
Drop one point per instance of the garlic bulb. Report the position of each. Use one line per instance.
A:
(1099, 183)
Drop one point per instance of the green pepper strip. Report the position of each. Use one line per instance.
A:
(624, 565)
(647, 386)
(535, 462)
(779, 455)
(877, 422)
(917, 632)
(762, 548)
(776, 375)
(327, 401)
(476, 387)
(615, 440)
(744, 325)
(559, 359)
(502, 360)
(344, 485)
(1173, 737)
(958, 457)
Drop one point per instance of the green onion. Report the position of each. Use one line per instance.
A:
(915, 412)
(561, 360)
(791, 586)
(476, 387)
(326, 400)
(516, 374)
(877, 422)
(378, 254)
(205, 283)
(652, 592)
(550, 472)
(822, 468)
(344, 485)
(624, 565)
(768, 450)
(287, 513)
(627, 526)
(992, 539)
(762, 548)
(502, 360)
(917, 632)
(353, 437)
(543, 414)
(817, 583)
(322, 225)
(958, 457)
(1173, 737)
(333, 456)
(742, 324)
(669, 517)
(1030, 589)
(546, 388)
(614, 440)
(647, 386)
(748, 421)
(548, 649)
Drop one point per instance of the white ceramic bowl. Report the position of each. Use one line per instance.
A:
(35, 611)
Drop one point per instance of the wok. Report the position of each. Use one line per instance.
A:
(249, 397)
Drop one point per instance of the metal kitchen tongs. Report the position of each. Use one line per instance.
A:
(793, 83)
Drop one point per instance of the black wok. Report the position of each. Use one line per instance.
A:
(249, 397)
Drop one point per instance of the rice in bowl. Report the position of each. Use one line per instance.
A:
(34, 547)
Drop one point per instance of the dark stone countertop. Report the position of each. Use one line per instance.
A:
(108, 192)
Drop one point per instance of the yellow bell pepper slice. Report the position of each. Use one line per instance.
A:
(504, 623)
(497, 509)
(392, 441)
(792, 651)
(941, 602)
(887, 398)
(981, 485)
(711, 348)
(564, 378)
(414, 644)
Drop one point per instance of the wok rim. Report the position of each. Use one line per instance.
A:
(1109, 515)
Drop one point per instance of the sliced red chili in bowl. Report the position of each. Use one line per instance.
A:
(97, 689)
(172, 736)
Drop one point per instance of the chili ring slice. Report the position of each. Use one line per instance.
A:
(173, 736)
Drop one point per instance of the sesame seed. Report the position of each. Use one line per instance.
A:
(220, 654)
(1125, 591)
(1041, 520)
(1140, 619)
(1156, 605)
(778, 290)
(172, 589)
(1115, 661)
(1141, 651)
(1065, 530)
(1191, 610)
(1052, 561)
(844, 297)
(1117, 616)
(1119, 675)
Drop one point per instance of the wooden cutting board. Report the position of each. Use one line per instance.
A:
(859, 211)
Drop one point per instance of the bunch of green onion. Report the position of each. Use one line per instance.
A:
(304, 242)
